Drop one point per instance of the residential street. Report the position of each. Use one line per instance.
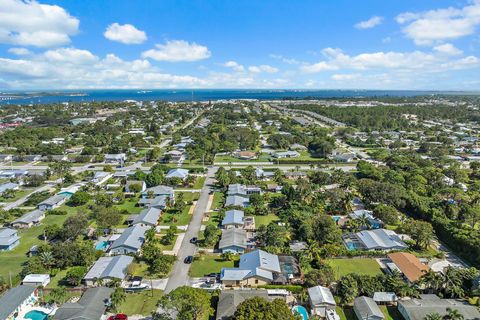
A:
(179, 274)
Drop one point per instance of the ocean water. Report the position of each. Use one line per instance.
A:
(198, 95)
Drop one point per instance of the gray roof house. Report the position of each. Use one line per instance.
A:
(237, 201)
(160, 191)
(159, 202)
(378, 239)
(115, 158)
(233, 240)
(417, 309)
(229, 300)
(237, 190)
(148, 217)
(52, 202)
(108, 268)
(177, 173)
(8, 186)
(15, 300)
(365, 308)
(91, 306)
(233, 218)
(29, 219)
(257, 264)
(130, 241)
(9, 239)
(321, 300)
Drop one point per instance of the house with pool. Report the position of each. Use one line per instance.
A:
(16, 301)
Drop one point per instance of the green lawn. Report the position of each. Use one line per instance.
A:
(218, 199)
(129, 205)
(168, 247)
(263, 157)
(390, 313)
(261, 220)
(199, 181)
(143, 303)
(18, 194)
(206, 264)
(363, 266)
(12, 261)
(171, 217)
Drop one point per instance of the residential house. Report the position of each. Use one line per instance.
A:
(365, 308)
(142, 185)
(233, 240)
(262, 174)
(237, 190)
(255, 268)
(233, 219)
(321, 300)
(174, 156)
(107, 269)
(6, 158)
(36, 280)
(177, 173)
(16, 300)
(9, 239)
(91, 306)
(52, 202)
(237, 201)
(418, 309)
(130, 241)
(101, 177)
(159, 202)
(385, 297)
(246, 155)
(344, 157)
(11, 174)
(286, 154)
(407, 264)
(362, 213)
(148, 217)
(159, 191)
(294, 175)
(378, 239)
(297, 146)
(229, 300)
(7, 186)
(29, 219)
(119, 158)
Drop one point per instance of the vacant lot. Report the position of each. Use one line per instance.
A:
(364, 266)
(143, 303)
(208, 264)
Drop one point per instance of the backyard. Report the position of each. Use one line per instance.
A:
(363, 266)
(206, 264)
(143, 303)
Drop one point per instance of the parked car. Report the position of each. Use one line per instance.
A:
(118, 316)
(194, 240)
(188, 259)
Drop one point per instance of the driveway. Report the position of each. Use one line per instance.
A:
(179, 275)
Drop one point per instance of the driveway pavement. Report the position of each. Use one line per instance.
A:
(179, 275)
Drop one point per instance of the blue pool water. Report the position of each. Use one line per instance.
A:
(301, 311)
(36, 315)
(336, 218)
(101, 245)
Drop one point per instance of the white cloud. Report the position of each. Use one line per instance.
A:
(19, 51)
(262, 68)
(370, 23)
(126, 34)
(285, 60)
(70, 55)
(345, 76)
(436, 61)
(29, 23)
(448, 49)
(234, 65)
(178, 50)
(428, 28)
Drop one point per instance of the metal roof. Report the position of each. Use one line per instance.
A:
(417, 309)
(53, 200)
(109, 267)
(233, 217)
(29, 217)
(236, 201)
(321, 295)
(148, 216)
(380, 239)
(8, 236)
(233, 237)
(14, 298)
(365, 308)
(236, 189)
(133, 237)
(177, 173)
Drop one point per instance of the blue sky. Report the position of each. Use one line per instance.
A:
(331, 44)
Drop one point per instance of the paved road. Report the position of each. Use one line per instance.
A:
(179, 276)
(19, 202)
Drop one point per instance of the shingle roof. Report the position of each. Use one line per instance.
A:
(8, 236)
(133, 237)
(365, 307)
(256, 263)
(409, 265)
(29, 217)
(229, 300)
(160, 190)
(233, 237)
(109, 267)
(148, 216)
(236, 189)
(417, 309)
(321, 295)
(177, 173)
(236, 201)
(13, 298)
(233, 217)
(53, 200)
(91, 305)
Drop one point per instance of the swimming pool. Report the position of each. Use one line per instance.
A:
(102, 245)
(301, 311)
(36, 315)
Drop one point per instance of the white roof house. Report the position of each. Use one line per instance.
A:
(378, 239)
(148, 217)
(109, 268)
(233, 218)
(177, 173)
(321, 300)
(37, 279)
(130, 241)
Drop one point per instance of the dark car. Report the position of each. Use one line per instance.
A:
(194, 240)
(188, 259)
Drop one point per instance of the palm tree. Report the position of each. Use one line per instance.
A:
(431, 280)
(433, 316)
(453, 314)
(118, 296)
(47, 259)
(59, 294)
